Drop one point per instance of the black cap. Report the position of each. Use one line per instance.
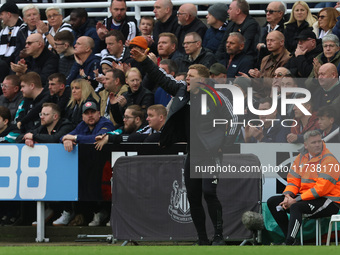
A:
(9, 7)
(306, 34)
(217, 69)
(90, 105)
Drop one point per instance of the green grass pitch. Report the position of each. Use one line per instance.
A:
(164, 250)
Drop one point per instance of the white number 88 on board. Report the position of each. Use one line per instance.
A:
(35, 172)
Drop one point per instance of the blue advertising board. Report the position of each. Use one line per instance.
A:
(44, 173)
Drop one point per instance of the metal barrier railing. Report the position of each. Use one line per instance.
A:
(136, 6)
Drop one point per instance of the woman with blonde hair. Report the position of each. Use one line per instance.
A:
(300, 19)
(327, 19)
(81, 92)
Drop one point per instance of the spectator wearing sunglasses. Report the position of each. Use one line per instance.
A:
(327, 19)
(275, 21)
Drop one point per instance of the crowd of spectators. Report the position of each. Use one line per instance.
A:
(76, 82)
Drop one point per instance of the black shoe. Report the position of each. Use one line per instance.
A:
(201, 242)
(218, 240)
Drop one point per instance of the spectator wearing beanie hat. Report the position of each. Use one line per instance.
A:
(140, 42)
(105, 64)
(216, 19)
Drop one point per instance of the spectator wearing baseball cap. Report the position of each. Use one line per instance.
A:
(216, 19)
(218, 72)
(301, 63)
(89, 105)
(9, 13)
(91, 126)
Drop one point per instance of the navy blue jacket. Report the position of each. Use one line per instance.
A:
(85, 135)
(91, 63)
(240, 63)
(88, 29)
(250, 29)
(336, 28)
(213, 38)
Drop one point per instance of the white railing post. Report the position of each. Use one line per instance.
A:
(41, 223)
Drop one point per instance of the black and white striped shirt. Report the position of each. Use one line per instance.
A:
(8, 37)
(64, 27)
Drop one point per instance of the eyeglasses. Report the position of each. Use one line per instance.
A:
(53, 16)
(322, 17)
(43, 114)
(185, 43)
(329, 45)
(128, 117)
(271, 11)
(29, 43)
(181, 13)
(4, 86)
(58, 44)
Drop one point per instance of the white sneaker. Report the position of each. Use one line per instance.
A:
(63, 220)
(98, 218)
(48, 215)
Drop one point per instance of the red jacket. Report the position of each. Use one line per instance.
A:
(311, 125)
(315, 177)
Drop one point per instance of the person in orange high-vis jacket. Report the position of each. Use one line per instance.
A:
(313, 188)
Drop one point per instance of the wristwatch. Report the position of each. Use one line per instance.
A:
(75, 138)
(47, 33)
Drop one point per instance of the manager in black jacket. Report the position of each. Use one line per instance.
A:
(198, 133)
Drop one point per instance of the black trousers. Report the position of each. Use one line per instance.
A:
(195, 189)
(316, 208)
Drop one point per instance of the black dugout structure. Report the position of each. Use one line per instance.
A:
(149, 199)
